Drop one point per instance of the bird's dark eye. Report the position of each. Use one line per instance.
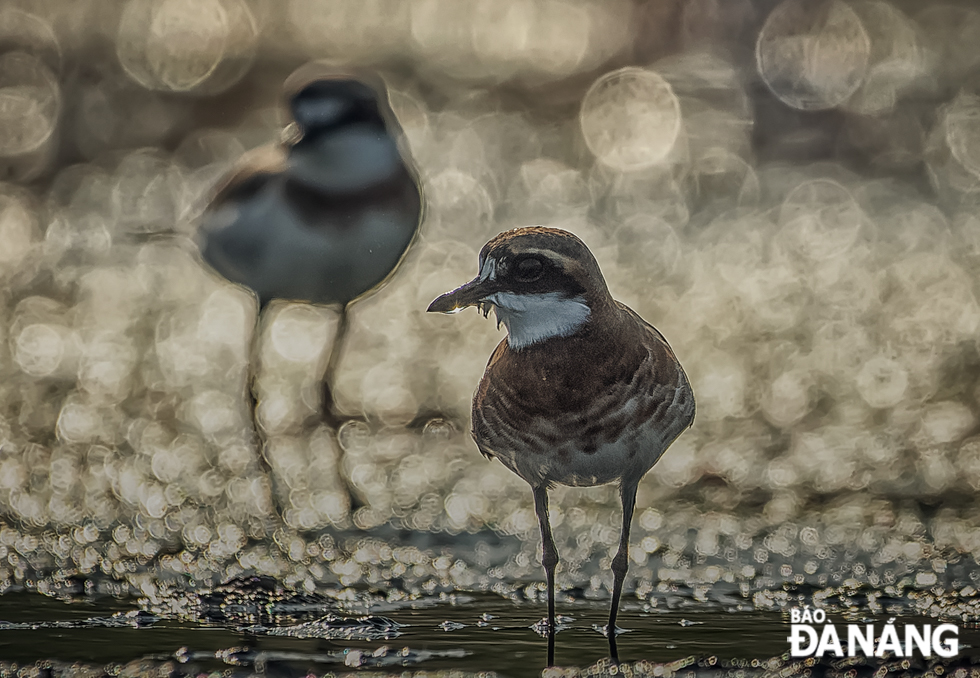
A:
(528, 270)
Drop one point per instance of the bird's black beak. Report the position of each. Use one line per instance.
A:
(470, 294)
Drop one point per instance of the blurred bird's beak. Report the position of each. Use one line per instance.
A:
(471, 294)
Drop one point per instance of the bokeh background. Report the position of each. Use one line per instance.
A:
(788, 190)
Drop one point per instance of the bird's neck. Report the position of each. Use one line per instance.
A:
(566, 373)
(535, 319)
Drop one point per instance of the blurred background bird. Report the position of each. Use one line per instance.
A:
(324, 216)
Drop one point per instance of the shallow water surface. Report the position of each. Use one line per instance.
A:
(489, 633)
(495, 635)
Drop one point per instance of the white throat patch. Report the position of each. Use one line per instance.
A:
(530, 318)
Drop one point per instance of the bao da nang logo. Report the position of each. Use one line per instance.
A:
(811, 636)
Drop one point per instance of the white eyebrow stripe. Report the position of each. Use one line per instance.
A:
(489, 270)
(559, 259)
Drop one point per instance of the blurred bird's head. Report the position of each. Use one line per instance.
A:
(541, 283)
(330, 103)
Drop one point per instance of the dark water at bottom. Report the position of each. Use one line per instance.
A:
(495, 636)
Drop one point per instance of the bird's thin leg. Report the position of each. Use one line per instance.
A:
(251, 384)
(251, 391)
(253, 367)
(331, 416)
(620, 563)
(549, 558)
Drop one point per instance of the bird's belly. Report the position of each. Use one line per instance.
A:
(568, 463)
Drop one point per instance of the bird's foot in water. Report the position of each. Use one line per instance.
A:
(562, 623)
(604, 630)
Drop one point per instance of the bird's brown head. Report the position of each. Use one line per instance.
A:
(541, 282)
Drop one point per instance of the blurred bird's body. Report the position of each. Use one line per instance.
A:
(581, 392)
(325, 219)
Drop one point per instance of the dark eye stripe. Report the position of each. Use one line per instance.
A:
(529, 269)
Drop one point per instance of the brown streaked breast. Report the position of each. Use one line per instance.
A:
(590, 388)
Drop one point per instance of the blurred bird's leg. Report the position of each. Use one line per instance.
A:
(251, 390)
(620, 564)
(549, 558)
(252, 383)
(329, 413)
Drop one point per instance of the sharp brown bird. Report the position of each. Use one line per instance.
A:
(581, 392)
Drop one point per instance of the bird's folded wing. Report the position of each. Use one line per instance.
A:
(663, 368)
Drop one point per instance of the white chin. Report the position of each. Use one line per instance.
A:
(533, 318)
